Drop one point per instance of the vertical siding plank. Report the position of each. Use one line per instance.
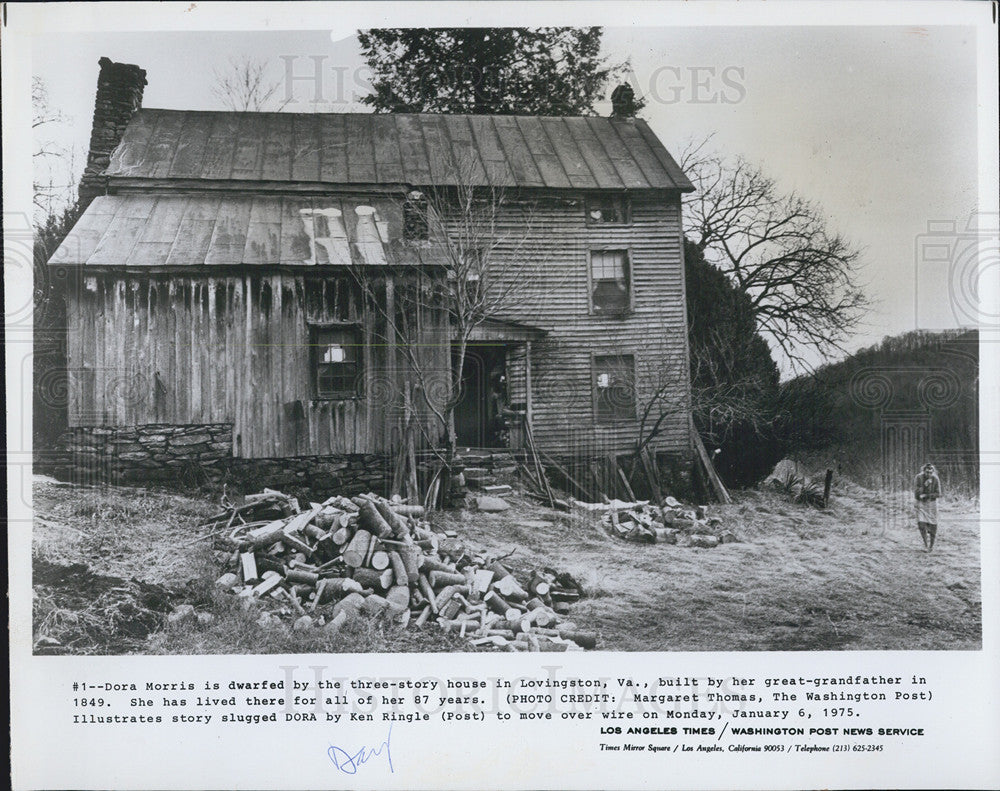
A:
(192, 341)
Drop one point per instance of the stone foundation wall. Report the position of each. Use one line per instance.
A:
(148, 453)
(193, 455)
(318, 476)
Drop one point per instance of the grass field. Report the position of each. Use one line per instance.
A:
(109, 564)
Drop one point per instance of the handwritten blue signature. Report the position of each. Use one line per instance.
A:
(349, 764)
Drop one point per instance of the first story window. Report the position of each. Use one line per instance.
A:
(337, 361)
(610, 282)
(614, 387)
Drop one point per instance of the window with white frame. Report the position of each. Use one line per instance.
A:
(337, 361)
(610, 282)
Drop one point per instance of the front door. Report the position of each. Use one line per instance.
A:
(478, 418)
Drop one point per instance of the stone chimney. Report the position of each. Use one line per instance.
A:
(119, 96)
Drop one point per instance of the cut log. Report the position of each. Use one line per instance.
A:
(445, 594)
(510, 588)
(341, 536)
(498, 570)
(248, 567)
(371, 520)
(398, 598)
(441, 578)
(482, 580)
(338, 620)
(370, 578)
(374, 606)
(407, 510)
(267, 585)
(430, 564)
(301, 576)
(399, 571)
(314, 532)
(496, 603)
(299, 521)
(263, 536)
(351, 604)
(339, 586)
(326, 546)
(397, 523)
(356, 551)
(583, 639)
(428, 592)
(411, 562)
(380, 560)
(424, 615)
(538, 586)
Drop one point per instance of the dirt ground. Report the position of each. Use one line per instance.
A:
(108, 565)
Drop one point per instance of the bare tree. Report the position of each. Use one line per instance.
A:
(716, 397)
(801, 277)
(53, 165)
(243, 86)
(474, 258)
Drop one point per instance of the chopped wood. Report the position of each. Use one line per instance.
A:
(397, 523)
(302, 576)
(267, 585)
(248, 566)
(370, 578)
(356, 551)
(371, 520)
(341, 536)
(407, 510)
(378, 557)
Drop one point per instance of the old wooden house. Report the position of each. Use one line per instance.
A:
(215, 312)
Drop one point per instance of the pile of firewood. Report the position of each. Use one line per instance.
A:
(673, 523)
(368, 557)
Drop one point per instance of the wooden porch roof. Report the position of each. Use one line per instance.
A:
(177, 230)
(497, 330)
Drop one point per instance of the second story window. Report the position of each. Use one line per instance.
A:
(606, 209)
(614, 387)
(337, 361)
(416, 225)
(610, 282)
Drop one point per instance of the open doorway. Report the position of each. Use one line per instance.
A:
(479, 421)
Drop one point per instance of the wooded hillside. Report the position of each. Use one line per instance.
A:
(841, 411)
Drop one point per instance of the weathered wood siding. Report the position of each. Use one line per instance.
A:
(232, 348)
(654, 331)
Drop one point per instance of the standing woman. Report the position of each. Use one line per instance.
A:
(927, 489)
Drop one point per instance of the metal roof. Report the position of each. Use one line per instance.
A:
(413, 149)
(142, 230)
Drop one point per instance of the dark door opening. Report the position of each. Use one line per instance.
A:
(479, 419)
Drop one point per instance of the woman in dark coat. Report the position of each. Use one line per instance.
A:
(927, 489)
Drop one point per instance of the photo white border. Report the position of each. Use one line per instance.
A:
(49, 754)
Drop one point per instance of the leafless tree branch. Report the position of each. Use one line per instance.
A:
(801, 278)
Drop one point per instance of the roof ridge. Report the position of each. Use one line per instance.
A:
(390, 115)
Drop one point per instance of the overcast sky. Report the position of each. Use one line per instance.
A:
(877, 125)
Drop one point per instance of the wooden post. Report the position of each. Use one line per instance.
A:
(827, 484)
(527, 382)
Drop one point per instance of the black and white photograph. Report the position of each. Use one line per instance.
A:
(494, 337)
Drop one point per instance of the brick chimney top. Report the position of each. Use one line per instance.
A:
(119, 96)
